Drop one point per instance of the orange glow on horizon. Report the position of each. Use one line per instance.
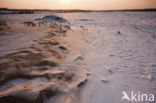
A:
(78, 4)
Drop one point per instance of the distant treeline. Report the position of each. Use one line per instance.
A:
(15, 11)
(132, 10)
(31, 11)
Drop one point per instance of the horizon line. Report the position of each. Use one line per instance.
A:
(1, 8)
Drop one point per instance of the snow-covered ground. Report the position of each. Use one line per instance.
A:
(116, 50)
(120, 53)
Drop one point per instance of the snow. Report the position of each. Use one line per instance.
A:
(122, 42)
(117, 50)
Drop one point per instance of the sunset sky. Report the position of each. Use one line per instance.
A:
(78, 4)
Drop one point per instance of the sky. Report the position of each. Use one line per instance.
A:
(78, 4)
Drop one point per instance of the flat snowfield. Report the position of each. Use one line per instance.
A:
(87, 58)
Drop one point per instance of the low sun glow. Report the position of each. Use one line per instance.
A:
(66, 1)
(78, 4)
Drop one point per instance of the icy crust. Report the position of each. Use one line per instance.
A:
(37, 72)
